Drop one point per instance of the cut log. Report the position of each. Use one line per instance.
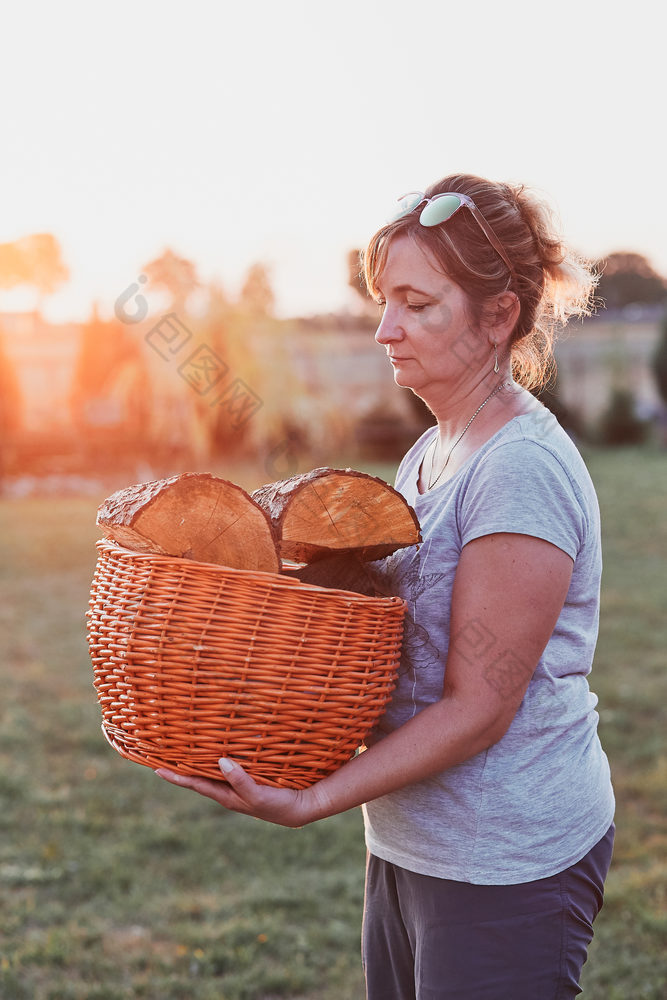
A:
(193, 516)
(329, 511)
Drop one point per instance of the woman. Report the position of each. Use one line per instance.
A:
(486, 793)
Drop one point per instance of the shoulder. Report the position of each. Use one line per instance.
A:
(530, 478)
(530, 445)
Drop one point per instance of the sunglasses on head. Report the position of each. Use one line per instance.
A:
(441, 207)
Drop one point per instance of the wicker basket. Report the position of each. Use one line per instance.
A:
(194, 661)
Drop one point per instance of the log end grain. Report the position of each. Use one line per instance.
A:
(328, 511)
(193, 516)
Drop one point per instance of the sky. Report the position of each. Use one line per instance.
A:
(282, 132)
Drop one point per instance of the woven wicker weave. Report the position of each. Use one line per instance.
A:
(194, 661)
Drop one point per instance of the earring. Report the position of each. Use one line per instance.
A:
(495, 354)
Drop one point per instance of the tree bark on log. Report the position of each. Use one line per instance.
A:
(330, 511)
(193, 516)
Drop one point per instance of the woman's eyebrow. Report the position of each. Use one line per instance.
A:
(408, 288)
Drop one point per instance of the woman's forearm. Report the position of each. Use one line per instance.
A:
(442, 735)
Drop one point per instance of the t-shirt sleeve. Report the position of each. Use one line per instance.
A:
(521, 487)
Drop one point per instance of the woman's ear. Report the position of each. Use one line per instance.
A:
(502, 316)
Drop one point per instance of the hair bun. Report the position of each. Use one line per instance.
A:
(568, 285)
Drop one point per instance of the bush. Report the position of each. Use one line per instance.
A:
(660, 362)
(619, 423)
(551, 396)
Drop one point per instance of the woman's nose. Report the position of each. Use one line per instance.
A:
(388, 330)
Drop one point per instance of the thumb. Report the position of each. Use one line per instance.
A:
(234, 774)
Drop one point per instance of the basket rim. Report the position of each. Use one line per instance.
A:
(275, 579)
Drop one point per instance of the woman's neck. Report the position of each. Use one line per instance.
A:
(453, 406)
(465, 426)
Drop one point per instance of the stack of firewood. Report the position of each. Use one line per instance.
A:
(321, 527)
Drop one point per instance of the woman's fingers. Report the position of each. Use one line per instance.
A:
(220, 791)
(239, 792)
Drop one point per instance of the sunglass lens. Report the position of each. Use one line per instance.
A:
(439, 210)
(406, 204)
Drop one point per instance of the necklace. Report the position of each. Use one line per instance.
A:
(432, 482)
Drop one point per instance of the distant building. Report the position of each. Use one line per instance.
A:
(44, 356)
(331, 377)
(601, 354)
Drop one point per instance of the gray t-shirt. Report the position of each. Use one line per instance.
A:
(540, 798)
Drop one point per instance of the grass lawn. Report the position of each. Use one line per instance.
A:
(116, 885)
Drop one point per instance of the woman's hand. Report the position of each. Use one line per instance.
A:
(284, 806)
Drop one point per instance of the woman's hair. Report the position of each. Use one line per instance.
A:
(551, 281)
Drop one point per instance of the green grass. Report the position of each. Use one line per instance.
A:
(628, 959)
(115, 885)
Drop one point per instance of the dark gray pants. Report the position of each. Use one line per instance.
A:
(428, 938)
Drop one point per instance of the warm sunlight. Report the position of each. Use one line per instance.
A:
(300, 592)
(220, 164)
(283, 133)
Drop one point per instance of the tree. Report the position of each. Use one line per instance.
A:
(258, 392)
(110, 367)
(10, 394)
(35, 261)
(10, 403)
(551, 396)
(257, 296)
(177, 275)
(629, 279)
(619, 424)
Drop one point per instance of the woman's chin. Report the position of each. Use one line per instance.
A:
(402, 377)
(414, 385)
(405, 380)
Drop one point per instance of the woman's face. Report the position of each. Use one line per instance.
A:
(424, 327)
